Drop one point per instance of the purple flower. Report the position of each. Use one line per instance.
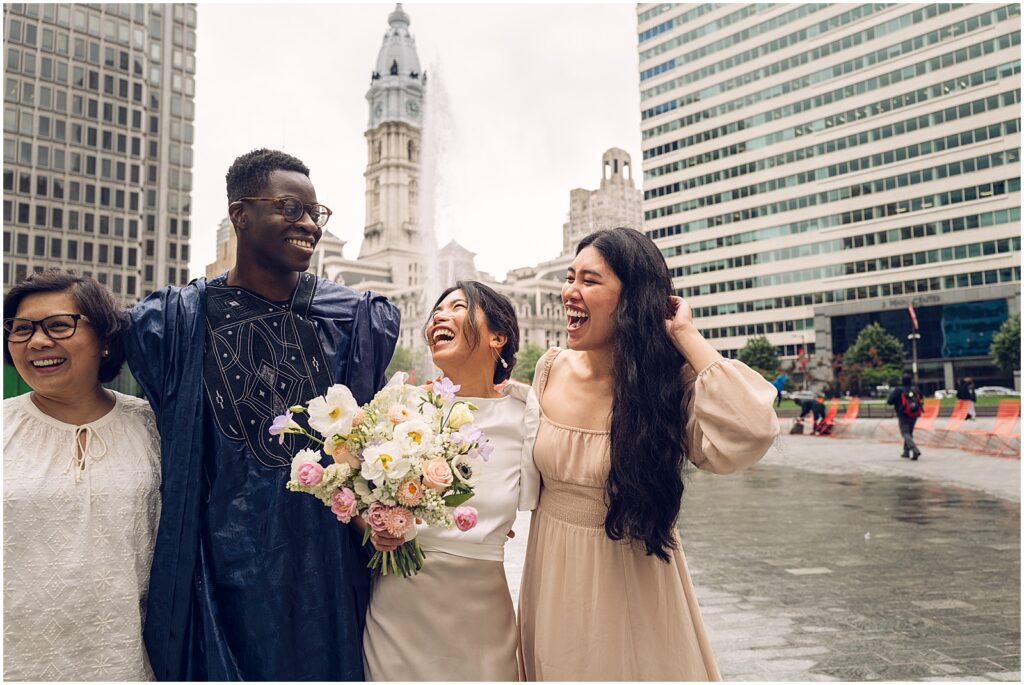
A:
(283, 425)
(484, 451)
(445, 389)
(467, 433)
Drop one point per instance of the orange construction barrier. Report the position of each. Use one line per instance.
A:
(843, 424)
(931, 412)
(826, 424)
(950, 434)
(1007, 440)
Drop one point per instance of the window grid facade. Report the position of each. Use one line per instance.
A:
(864, 159)
(98, 134)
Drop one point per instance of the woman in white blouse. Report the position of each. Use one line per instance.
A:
(455, 620)
(81, 489)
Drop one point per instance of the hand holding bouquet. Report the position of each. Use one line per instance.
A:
(401, 459)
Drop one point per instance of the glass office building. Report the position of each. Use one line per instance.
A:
(98, 133)
(810, 168)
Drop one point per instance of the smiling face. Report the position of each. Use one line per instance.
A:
(58, 369)
(266, 239)
(590, 296)
(451, 347)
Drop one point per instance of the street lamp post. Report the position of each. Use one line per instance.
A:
(801, 359)
(913, 338)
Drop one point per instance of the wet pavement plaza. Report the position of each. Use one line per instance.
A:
(853, 575)
(837, 560)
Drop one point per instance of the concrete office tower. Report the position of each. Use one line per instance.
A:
(811, 168)
(226, 246)
(98, 112)
(617, 202)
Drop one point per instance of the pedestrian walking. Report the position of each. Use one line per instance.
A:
(906, 400)
(780, 383)
(965, 391)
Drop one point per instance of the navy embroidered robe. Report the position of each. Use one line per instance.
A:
(250, 581)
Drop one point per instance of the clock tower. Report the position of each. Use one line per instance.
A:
(393, 138)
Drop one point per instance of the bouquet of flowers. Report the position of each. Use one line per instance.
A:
(400, 460)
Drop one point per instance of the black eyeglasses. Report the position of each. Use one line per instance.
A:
(293, 209)
(56, 327)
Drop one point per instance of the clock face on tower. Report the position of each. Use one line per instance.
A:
(378, 111)
(412, 108)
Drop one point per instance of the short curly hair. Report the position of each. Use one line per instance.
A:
(250, 172)
(106, 317)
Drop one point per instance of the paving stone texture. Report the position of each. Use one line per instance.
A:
(837, 560)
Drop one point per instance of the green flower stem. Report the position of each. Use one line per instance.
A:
(303, 431)
(406, 560)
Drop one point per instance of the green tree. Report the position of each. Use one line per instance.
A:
(873, 341)
(406, 360)
(760, 354)
(526, 362)
(1005, 348)
(875, 358)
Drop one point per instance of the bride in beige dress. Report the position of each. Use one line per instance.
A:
(605, 592)
(455, 619)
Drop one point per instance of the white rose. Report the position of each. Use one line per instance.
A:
(303, 457)
(385, 460)
(414, 436)
(332, 414)
(459, 416)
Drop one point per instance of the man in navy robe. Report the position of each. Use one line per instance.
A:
(250, 581)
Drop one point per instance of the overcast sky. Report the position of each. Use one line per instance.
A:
(536, 94)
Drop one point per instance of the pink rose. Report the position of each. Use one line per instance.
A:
(358, 418)
(376, 516)
(465, 518)
(343, 504)
(398, 521)
(437, 475)
(310, 474)
(342, 455)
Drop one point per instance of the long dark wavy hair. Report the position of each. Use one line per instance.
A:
(645, 486)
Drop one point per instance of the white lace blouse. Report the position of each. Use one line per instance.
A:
(78, 542)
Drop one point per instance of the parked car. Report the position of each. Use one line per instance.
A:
(801, 395)
(996, 390)
(942, 394)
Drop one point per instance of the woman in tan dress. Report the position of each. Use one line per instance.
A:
(605, 593)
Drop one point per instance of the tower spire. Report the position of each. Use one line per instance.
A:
(393, 135)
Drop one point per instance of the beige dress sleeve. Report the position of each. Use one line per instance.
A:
(731, 421)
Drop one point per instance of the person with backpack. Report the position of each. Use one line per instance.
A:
(906, 400)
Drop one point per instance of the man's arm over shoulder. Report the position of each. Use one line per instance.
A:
(373, 323)
(158, 326)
